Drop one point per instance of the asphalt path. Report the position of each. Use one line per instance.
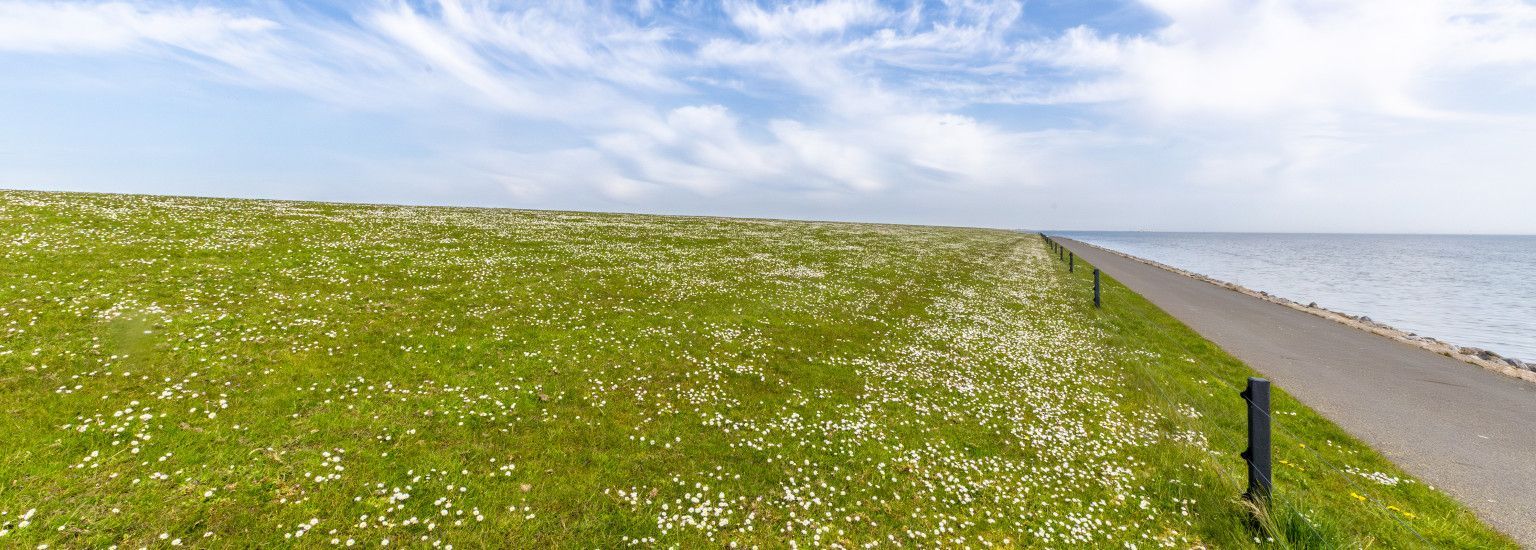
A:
(1465, 430)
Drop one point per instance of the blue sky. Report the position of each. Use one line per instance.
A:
(1389, 116)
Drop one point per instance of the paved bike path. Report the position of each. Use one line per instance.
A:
(1465, 430)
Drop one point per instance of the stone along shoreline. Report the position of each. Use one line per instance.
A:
(1483, 358)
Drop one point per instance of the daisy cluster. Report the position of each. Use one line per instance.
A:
(181, 371)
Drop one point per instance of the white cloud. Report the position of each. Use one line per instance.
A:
(69, 27)
(805, 18)
(596, 72)
(866, 101)
(1257, 59)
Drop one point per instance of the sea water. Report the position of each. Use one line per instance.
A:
(1468, 290)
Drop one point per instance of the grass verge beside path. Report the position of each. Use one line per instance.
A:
(216, 373)
(1332, 490)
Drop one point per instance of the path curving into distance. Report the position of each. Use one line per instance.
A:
(1465, 430)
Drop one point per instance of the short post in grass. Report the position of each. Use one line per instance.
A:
(1071, 263)
(1096, 302)
(1259, 453)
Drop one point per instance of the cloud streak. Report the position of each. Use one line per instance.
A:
(838, 100)
(116, 26)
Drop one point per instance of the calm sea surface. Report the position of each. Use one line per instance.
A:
(1467, 290)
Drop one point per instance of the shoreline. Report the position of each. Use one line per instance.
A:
(1486, 359)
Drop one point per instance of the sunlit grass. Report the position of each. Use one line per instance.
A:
(238, 373)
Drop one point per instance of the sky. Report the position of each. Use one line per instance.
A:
(1204, 115)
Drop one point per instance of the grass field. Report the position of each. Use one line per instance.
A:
(221, 373)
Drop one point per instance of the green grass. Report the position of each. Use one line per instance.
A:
(238, 373)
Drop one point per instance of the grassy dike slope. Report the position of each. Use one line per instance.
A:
(238, 373)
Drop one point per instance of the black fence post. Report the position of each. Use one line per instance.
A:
(1259, 454)
(1096, 302)
(1071, 263)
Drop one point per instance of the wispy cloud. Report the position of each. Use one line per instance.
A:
(650, 103)
(66, 27)
(1255, 59)
(806, 18)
